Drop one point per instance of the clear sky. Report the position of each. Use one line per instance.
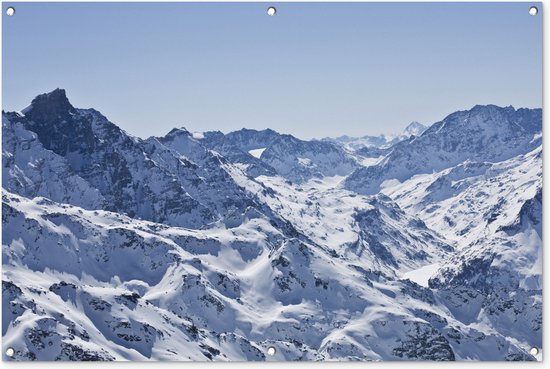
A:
(313, 70)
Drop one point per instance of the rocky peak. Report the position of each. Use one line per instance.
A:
(414, 129)
(50, 106)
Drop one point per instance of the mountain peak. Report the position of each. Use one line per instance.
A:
(492, 107)
(175, 132)
(50, 106)
(414, 128)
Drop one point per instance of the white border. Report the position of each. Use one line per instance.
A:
(386, 364)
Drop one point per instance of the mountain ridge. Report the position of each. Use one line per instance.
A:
(383, 141)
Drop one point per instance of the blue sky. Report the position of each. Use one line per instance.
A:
(313, 70)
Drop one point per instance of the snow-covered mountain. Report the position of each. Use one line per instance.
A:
(486, 133)
(212, 246)
(172, 180)
(286, 155)
(380, 141)
(30, 169)
(492, 212)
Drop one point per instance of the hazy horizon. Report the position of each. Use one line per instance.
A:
(160, 134)
(314, 70)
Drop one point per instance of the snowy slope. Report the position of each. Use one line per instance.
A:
(159, 292)
(493, 213)
(372, 231)
(467, 201)
(28, 168)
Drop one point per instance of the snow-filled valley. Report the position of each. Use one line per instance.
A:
(424, 245)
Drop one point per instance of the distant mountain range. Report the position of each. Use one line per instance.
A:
(203, 246)
(381, 141)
